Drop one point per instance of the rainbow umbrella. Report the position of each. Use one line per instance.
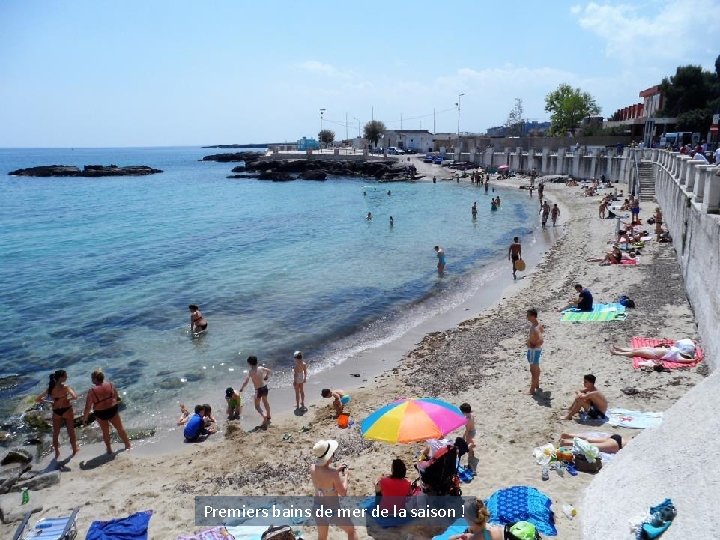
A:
(411, 420)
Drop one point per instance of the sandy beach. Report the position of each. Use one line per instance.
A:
(481, 361)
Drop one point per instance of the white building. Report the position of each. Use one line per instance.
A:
(414, 139)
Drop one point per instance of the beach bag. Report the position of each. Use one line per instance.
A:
(283, 532)
(627, 302)
(522, 530)
(520, 265)
(583, 465)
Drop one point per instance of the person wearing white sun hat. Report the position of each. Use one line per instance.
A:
(329, 482)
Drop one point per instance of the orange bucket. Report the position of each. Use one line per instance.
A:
(343, 420)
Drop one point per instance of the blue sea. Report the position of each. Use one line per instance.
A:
(99, 272)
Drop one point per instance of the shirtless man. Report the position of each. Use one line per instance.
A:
(515, 254)
(588, 399)
(259, 376)
(197, 321)
(554, 213)
(544, 213)
(534, 344)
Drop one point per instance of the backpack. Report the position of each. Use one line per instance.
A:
(627, 302)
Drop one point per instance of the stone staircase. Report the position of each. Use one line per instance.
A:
(646, 175)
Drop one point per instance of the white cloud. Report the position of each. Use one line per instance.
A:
(642, 32)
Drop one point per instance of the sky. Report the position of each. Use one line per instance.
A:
(102, 73)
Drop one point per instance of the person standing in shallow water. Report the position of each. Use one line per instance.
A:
(554, 214)
(197, 321)
(515, 254)
(441, 260)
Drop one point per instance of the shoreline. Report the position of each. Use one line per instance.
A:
(479, 361)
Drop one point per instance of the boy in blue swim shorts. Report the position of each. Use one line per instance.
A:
(534, 349)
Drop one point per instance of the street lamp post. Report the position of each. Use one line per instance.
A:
(322, 112)
(458, 109)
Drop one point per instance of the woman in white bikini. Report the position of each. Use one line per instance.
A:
(299, 380)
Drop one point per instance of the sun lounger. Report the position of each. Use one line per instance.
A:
(637, 341)
(61, 528)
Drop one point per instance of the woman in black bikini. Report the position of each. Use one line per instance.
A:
(197, 321)
(103, 400)
(61, 396)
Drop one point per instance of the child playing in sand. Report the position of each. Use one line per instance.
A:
(299, 380)
(209, 420)
(184, 415)
(259, 376)
(469, 434)
(339, 397)
(234, 403)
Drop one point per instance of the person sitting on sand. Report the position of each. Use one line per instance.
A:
(195, 426)
(329, 484)
(683, 350)
(588, 399)
(184, 415)
(103, 399)
(234, 403)
(339, 397)
(197, 321)
(209, 420)
(614, 256)
(259, 376)
(584, 300)
(477, 516)
(393, 490)
(610, 445)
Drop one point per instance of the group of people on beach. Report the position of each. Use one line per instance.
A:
(102, 402)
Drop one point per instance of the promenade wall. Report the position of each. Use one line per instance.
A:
(678, 459)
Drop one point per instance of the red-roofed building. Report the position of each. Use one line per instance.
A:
(641, 120)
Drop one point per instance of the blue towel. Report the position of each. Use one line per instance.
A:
(459, 527)
(522, 503)
(466, 474)
(133, 527)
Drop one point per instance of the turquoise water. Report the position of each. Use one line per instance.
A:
(99, 272)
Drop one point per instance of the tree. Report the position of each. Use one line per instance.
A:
(514, 122)
(568, 106)
(696, 120)
(717, 66)
(326, 136)
(690, 89)
(373, 130)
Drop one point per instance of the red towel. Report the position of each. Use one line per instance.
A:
(629, 261)
(637, 342)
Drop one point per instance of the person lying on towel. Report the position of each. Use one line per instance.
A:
(683, 350)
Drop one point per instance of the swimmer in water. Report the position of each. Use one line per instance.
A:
(369, 216)
(197, 321)
(392, 222)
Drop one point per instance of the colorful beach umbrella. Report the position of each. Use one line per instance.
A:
(412, 420)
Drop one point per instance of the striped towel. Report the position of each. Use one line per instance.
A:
(637, 341)
(600, 313)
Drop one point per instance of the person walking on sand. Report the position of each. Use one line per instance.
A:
(589, 399)
(441, 260)
(469, 434)
(62, 409)
(259, 376)
(534, 349)
(299, 380)
(554, 213)
(103, 400)
(544, 213)
(515, 254)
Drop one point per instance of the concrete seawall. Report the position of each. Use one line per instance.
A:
(678, 459)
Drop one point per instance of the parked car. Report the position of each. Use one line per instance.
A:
(429, 158)
(393, 151)
(438, 160)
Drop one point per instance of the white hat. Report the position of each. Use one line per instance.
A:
(324, 451)
(297, 354)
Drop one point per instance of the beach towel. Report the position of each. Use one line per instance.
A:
(522, 503)
(216, 533)
(637, 341)
(459, 527)
(133, 527)
(626, 262)
(633, 419)
(600, 313)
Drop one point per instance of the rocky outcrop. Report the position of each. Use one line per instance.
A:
(313, 175)
(235, 156)
(88, 171)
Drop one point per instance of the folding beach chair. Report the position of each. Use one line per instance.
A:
(61, 528)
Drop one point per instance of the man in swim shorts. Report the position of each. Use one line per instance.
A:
(534, 349)
(515, 254)
(588, 399)
(259, 376)
(339, 397)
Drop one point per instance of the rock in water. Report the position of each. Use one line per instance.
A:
(89, 171)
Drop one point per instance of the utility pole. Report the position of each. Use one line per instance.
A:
(458, 109)
(372, 114)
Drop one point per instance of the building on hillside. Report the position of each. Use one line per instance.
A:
(640, 119)
(420, 140)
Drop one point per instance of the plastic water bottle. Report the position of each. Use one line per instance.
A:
(25, 497)
(545, 473)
